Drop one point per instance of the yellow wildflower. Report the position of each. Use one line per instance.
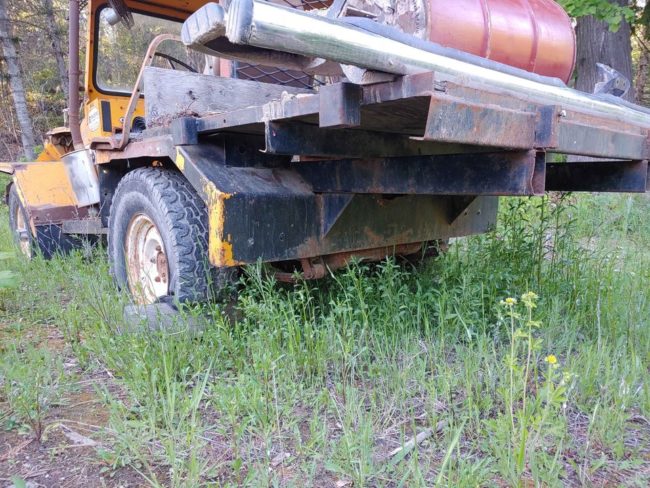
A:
(530, 295)
(511, 301)
(551, 359)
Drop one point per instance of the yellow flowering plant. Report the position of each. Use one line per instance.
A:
(532, 407)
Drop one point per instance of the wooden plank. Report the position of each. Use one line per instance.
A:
(171, 93)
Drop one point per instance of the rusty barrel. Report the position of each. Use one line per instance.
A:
(535, 35)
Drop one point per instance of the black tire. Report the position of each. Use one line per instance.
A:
(49, 241)
(16, 208)
(180, 217)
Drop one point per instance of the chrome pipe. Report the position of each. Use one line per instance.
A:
(266, 25)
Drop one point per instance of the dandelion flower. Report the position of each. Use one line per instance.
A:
(529, 296)
(529, 299)
(551, 359)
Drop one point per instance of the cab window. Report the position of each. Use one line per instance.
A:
(121, 51)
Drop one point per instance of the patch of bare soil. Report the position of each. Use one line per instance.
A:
(74, 431)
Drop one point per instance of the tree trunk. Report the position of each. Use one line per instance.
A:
(53, 34)
(16, 83)
(596, 44)
(641, 78)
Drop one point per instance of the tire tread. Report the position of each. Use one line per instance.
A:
(186, 219)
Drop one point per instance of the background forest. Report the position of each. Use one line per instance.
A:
(611, 32)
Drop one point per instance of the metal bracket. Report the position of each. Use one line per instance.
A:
(457, 206)
(185, 131)
(546, 130)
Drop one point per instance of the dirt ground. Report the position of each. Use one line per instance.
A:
(67, 455)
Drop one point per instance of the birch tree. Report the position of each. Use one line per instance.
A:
(16, 83)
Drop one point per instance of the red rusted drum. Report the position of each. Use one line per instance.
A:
(535, 35)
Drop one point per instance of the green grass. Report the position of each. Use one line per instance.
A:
(317, 383)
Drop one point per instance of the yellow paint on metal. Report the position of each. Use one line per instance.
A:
(93, 96)
(180, 160)
(220, 246)
(92, 124)
(50, 152)
(172, 9)
(44, 184)
(180, 8)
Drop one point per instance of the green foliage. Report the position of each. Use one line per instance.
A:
(8, 278)
(533, 399)
(611, 13)
(32, 381)
(316, 383)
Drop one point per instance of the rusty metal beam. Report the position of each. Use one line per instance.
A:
(457, 121)
(309, 140)
(340, 105)
(274, 215)
(600, 176)
(269, 26)
(507, 173)
(601, 142)
(460, 116)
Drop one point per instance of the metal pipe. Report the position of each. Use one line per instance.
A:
(432, 47)
(270, 26)
(73, 75)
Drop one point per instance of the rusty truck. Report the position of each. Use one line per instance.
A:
(307, 133)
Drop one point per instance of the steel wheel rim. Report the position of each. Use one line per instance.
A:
(146, 260)
(22, 232)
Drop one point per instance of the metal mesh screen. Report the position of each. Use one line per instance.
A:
(270, 74)
(305, 4)
(279, 76)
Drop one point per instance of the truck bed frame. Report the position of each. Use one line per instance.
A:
(352, 168)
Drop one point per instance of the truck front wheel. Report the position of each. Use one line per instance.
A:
(19, 224)
(158, 238)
